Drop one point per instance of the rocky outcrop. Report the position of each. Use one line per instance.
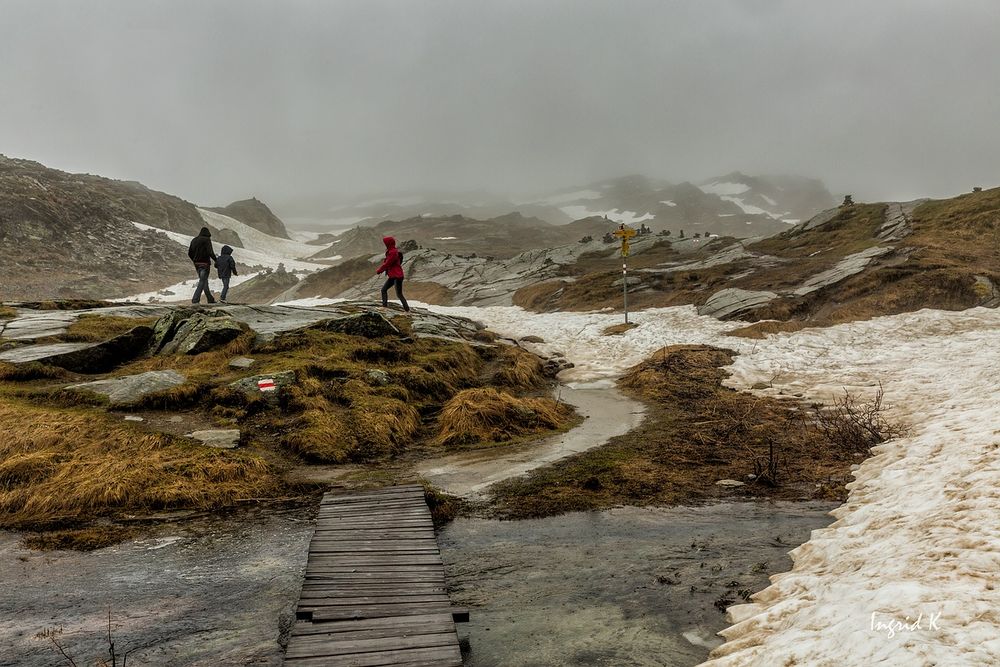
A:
(732, 302)
(845, 268)
(256, 214)
(84, 357)
(67, 235)
(200, 333)
(265, 286)
(127, 390)
(367, 325)
(270, 386)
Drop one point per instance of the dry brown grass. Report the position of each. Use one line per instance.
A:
(483, 416)
(94, 328)
(7, 312)
(32, 370)
(765, 328)
(696, 433)
(62, 467)
(518, 369)
(618, 329)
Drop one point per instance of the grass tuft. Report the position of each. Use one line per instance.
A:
(486, 415)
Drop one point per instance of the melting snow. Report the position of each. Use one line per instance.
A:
(770, 202)
(445, 238)
(667, 202)
(919, 535)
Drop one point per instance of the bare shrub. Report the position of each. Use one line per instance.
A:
(857, 426)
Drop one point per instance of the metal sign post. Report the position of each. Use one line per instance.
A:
(625, 233)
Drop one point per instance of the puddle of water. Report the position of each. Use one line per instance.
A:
(607, 413)
(215, 592)
(623, 587)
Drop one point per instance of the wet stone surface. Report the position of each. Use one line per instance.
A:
(623, 587)
(214, 592)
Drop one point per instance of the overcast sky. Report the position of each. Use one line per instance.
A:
(218, 100)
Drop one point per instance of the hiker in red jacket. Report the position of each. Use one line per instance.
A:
(393, 267)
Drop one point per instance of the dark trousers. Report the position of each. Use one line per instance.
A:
(225, 288)
(203, 272)
(399, 292)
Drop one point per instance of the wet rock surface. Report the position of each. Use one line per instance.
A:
(202, 332)
(84, 357)
(241, 363)
(220, 438)
(219, 591)
(127, 390)
(367, 325)
(252, 385)
(733, 301)
(624, 587)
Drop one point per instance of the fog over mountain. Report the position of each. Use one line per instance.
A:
(219, 101)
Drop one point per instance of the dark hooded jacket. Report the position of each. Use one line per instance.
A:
(393, 264)
(200, 251)
(225, 263)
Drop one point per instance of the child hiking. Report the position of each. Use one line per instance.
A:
(226, 267)
(393, 268)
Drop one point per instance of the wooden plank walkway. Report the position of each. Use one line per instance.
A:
(374, 592)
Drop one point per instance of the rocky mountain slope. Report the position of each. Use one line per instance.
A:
(847, 263)
(70, 235)
(81, 236)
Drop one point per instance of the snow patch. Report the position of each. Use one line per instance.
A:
(578, 212)
(724, 188)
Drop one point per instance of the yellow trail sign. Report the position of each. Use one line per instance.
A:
(624, 248)
(625, 232)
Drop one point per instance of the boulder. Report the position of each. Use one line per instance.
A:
(200, 333)
(269, 385)
(84, 357)
(165, 328)
(377, 377)
(241, 363)
(130, 388)
(368, 325)
(222, 438)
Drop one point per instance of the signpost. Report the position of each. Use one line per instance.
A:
(625, 233)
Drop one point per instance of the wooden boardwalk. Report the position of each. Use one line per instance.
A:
(374, 592)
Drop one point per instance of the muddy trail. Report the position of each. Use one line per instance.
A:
(606, 413)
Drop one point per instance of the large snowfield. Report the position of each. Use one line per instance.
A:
(908, 572)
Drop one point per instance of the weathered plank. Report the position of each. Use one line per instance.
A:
(374, 592)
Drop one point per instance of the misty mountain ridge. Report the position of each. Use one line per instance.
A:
(79, 235)
(731, 205)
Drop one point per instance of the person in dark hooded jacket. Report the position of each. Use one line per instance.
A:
(226, 267)
(393, 268)
(201, 253)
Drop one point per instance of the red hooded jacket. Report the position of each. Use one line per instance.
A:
(393, 264)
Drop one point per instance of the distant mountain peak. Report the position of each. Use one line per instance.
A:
(255, 213)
